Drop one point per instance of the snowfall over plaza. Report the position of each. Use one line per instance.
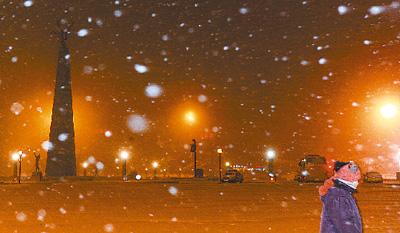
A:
(147, 94)
(183, 206)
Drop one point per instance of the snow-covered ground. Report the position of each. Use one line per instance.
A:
(182, 206)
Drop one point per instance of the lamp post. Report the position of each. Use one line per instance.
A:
(270, 154)
(193, 149)
(124, 155)
(85, 165)
(15, 158)
(155, 166)
(21, 155)
(219, 151)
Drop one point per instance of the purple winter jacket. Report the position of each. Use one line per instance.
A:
(340, 212)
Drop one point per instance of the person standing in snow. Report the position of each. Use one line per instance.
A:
(340, 213)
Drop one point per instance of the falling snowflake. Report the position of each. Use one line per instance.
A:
(343, 10)
(153, 91)
(376, 10)
(322, 61)
(41, 214)
(202, 98)
(173, 191)
(137, 123)
(28, 3)
(21, 217)
(141, 69)
(46, 145)
(83, 32)
(100, 166)
(62, 210)
(109, 227)
(16, 108)
(63, 137)
(244, 10)
(117, 13)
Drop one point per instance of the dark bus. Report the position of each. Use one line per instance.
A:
(312, 168)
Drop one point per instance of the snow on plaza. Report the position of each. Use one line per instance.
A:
(182, 206)
(199, 116)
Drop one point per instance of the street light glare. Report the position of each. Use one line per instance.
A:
(219, 151)
(388, 111)
(85, 164)
(124, 155)
(190, 117)
(271, 154)
(155, 164)
(15, 156)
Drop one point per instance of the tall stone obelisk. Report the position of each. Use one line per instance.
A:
(61, 159)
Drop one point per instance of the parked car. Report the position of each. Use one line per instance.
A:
(232, 176)
(373, 177)
(271, 177)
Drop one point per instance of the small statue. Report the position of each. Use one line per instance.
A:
(37, 158)
(37, 171)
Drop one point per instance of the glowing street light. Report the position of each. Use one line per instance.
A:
(155, 166)
(270, 154)
(85, 165)
(219, 151)
(15, 158)
(193, 150)
(190, 117)
(124, 155)
(388, 111)
(21, 155)
(227, 164)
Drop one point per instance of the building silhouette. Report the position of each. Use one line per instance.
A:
(61, 159)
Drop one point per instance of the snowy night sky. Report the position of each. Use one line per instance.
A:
(298, 76)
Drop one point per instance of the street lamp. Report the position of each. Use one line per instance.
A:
(227, 164)
(21, 155)
(193, 150)
(155, 166)
(15, 158)
(190, 117)
(85, 165)
(219, 151)
(388, 111)
(270, 154)
(124, 155)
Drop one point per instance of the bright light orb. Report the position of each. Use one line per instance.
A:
(388, 111)
(108, 133)
(15, 156)
(124, 155)
(227, 164)
(190, 117)
(270, 154)
(155, 164)
(85, 164)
